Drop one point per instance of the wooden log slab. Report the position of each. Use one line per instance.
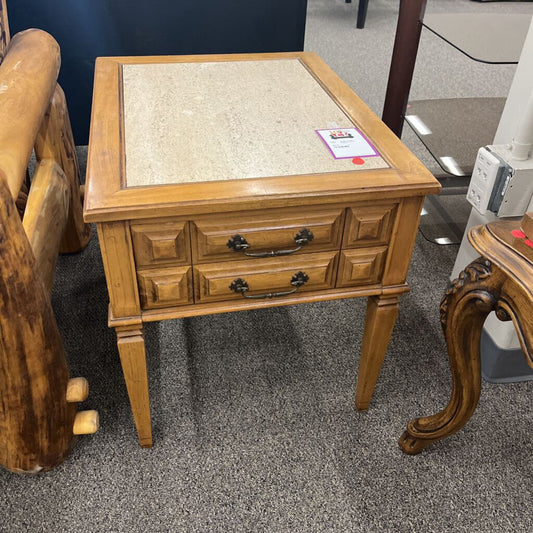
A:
(28, 75)
(36, 421)
(46, 216)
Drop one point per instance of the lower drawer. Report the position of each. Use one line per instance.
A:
(165, 287)
(236, 280)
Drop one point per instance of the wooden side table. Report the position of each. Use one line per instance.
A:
(214, 190)
(501, 280)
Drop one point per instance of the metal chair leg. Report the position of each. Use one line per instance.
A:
(361, 13)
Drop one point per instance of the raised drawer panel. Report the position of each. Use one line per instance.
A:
(369, 225)
(165, 287)
(361, 266)
(161, 244)
(265, 231)
(264, 276)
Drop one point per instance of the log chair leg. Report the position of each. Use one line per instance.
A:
(130, 342)
(55, 142)
(47, 207)
(381, 314)
(464, 309)
(36, 420)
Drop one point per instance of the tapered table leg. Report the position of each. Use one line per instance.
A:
(381, 314)
(130, 341)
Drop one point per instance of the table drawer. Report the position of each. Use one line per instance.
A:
(362, 266)
(228, 237)
(369, 225)
(166, 287)
(237, 280)
(161, 243)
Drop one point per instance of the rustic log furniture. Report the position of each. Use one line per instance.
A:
(212, 192)
(501, 280)
(38, 401)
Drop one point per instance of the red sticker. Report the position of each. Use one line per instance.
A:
(529, 243)
(518, 234)
(358, 161)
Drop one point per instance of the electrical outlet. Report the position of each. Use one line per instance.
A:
(513, 191)
(487, 169)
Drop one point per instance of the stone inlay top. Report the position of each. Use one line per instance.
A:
(192, 122)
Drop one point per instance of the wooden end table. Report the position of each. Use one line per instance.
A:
(219, 183)
(501, 280)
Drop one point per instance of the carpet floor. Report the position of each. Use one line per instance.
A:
(254, 422)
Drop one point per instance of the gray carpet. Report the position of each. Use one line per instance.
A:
(253, 416)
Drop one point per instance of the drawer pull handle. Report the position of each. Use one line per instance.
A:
(240, 286)
(240, 244)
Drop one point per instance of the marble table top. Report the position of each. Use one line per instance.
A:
(194, 122)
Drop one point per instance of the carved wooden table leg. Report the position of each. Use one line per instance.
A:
(381, 314)
(499, 281)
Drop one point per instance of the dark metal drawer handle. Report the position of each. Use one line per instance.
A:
(240, 286)
(240, 244)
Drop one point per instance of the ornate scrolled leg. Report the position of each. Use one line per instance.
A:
(464, 309)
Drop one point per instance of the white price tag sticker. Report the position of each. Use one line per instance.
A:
(345, 143)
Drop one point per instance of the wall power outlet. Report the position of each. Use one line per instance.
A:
(487, 169)
(500, 183)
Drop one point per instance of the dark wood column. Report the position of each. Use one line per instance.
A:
(403, 62)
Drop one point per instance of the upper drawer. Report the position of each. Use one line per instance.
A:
(161, 243)
(369, 225)
(269, 233)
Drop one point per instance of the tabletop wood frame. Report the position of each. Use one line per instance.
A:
(110, 200)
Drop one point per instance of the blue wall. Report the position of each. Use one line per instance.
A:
(86, 29)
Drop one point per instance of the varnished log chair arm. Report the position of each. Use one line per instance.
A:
(28, 75)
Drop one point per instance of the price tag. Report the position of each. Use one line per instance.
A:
(347, 143)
